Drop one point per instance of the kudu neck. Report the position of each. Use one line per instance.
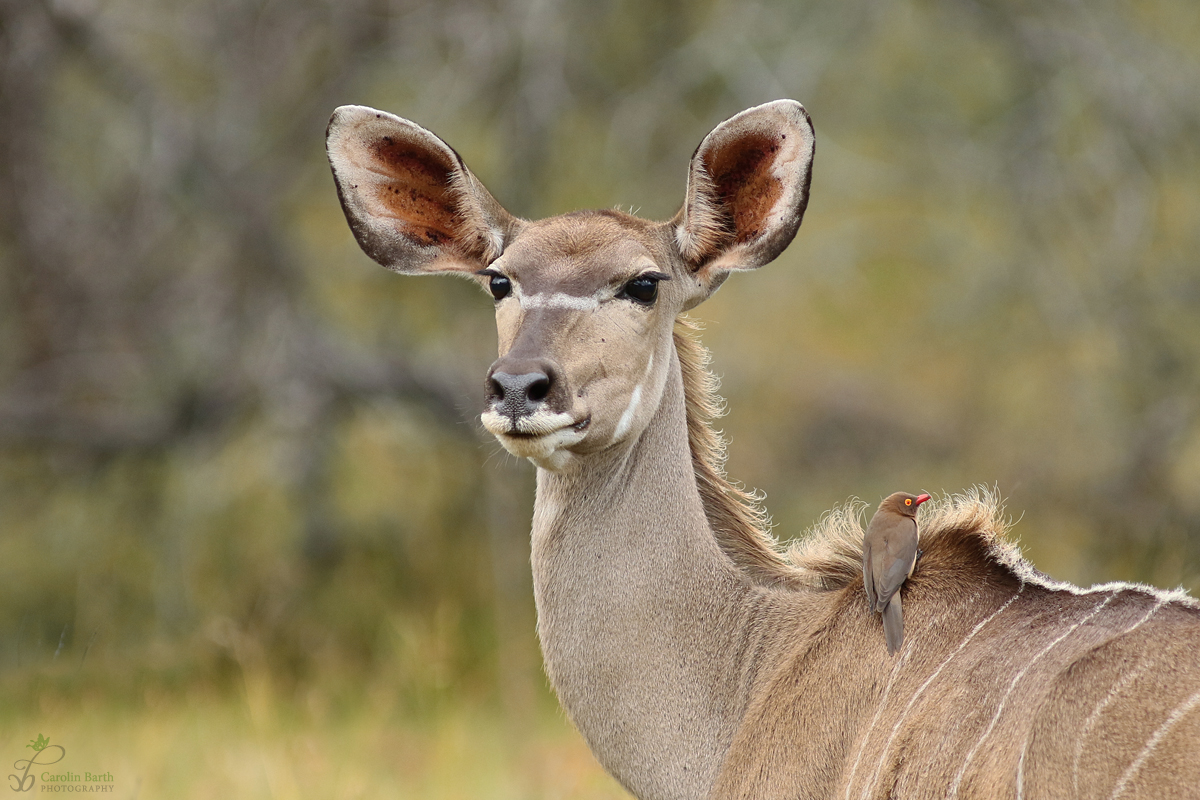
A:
(638, 496)
(640, 614)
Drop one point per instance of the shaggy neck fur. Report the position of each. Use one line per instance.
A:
(829, 557)
(738, 523)
(966, 530)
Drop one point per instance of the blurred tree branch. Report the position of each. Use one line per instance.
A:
(69, 267)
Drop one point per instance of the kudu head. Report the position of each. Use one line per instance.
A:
(585, 302)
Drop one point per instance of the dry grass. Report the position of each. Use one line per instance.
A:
(248, 743)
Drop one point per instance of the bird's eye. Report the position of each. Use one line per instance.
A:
(643, 289)
(908, 501)
(499, 286)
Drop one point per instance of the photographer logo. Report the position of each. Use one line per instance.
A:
(34, 768)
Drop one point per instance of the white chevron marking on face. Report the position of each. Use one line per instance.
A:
(562, 300)
(635, 399)
(626, 419)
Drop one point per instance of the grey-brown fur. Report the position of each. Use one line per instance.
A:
(697, 657)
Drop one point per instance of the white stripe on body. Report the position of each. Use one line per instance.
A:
(1179, 713)
(916, 696)
(1113, 692)
(962, 771)
(878, 710)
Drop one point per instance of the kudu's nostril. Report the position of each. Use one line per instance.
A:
(517, 395)
(538, 389)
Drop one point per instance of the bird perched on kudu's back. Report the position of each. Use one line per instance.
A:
(889, 557)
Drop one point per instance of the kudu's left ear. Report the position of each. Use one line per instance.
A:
(411, 202)
(746, 194)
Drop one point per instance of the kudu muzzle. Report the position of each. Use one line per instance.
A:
(518, 387)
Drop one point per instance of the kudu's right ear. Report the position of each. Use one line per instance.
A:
(411, 202)
(747, 191)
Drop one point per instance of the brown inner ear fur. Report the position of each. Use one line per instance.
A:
(743, 180)
(420, 194)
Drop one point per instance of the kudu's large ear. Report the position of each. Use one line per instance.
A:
(747, 191)
(411, 202)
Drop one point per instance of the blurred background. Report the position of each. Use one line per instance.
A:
(253, 541)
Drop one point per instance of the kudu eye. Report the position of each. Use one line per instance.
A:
(643, 289)
(499, 286)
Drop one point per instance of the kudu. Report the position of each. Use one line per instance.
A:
(697, 657)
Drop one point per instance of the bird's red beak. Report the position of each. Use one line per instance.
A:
(921, 498)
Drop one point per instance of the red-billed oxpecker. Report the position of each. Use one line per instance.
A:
(889, 557)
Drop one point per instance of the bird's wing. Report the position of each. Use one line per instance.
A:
(901, 553)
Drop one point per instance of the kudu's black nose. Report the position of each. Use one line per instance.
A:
(518, 393)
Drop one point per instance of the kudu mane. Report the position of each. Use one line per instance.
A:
(739, 522)
(957, 530)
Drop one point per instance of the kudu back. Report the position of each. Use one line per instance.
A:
(697, 657)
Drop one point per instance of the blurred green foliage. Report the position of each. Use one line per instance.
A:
(231, 446)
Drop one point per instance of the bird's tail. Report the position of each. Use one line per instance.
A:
(893, 624)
